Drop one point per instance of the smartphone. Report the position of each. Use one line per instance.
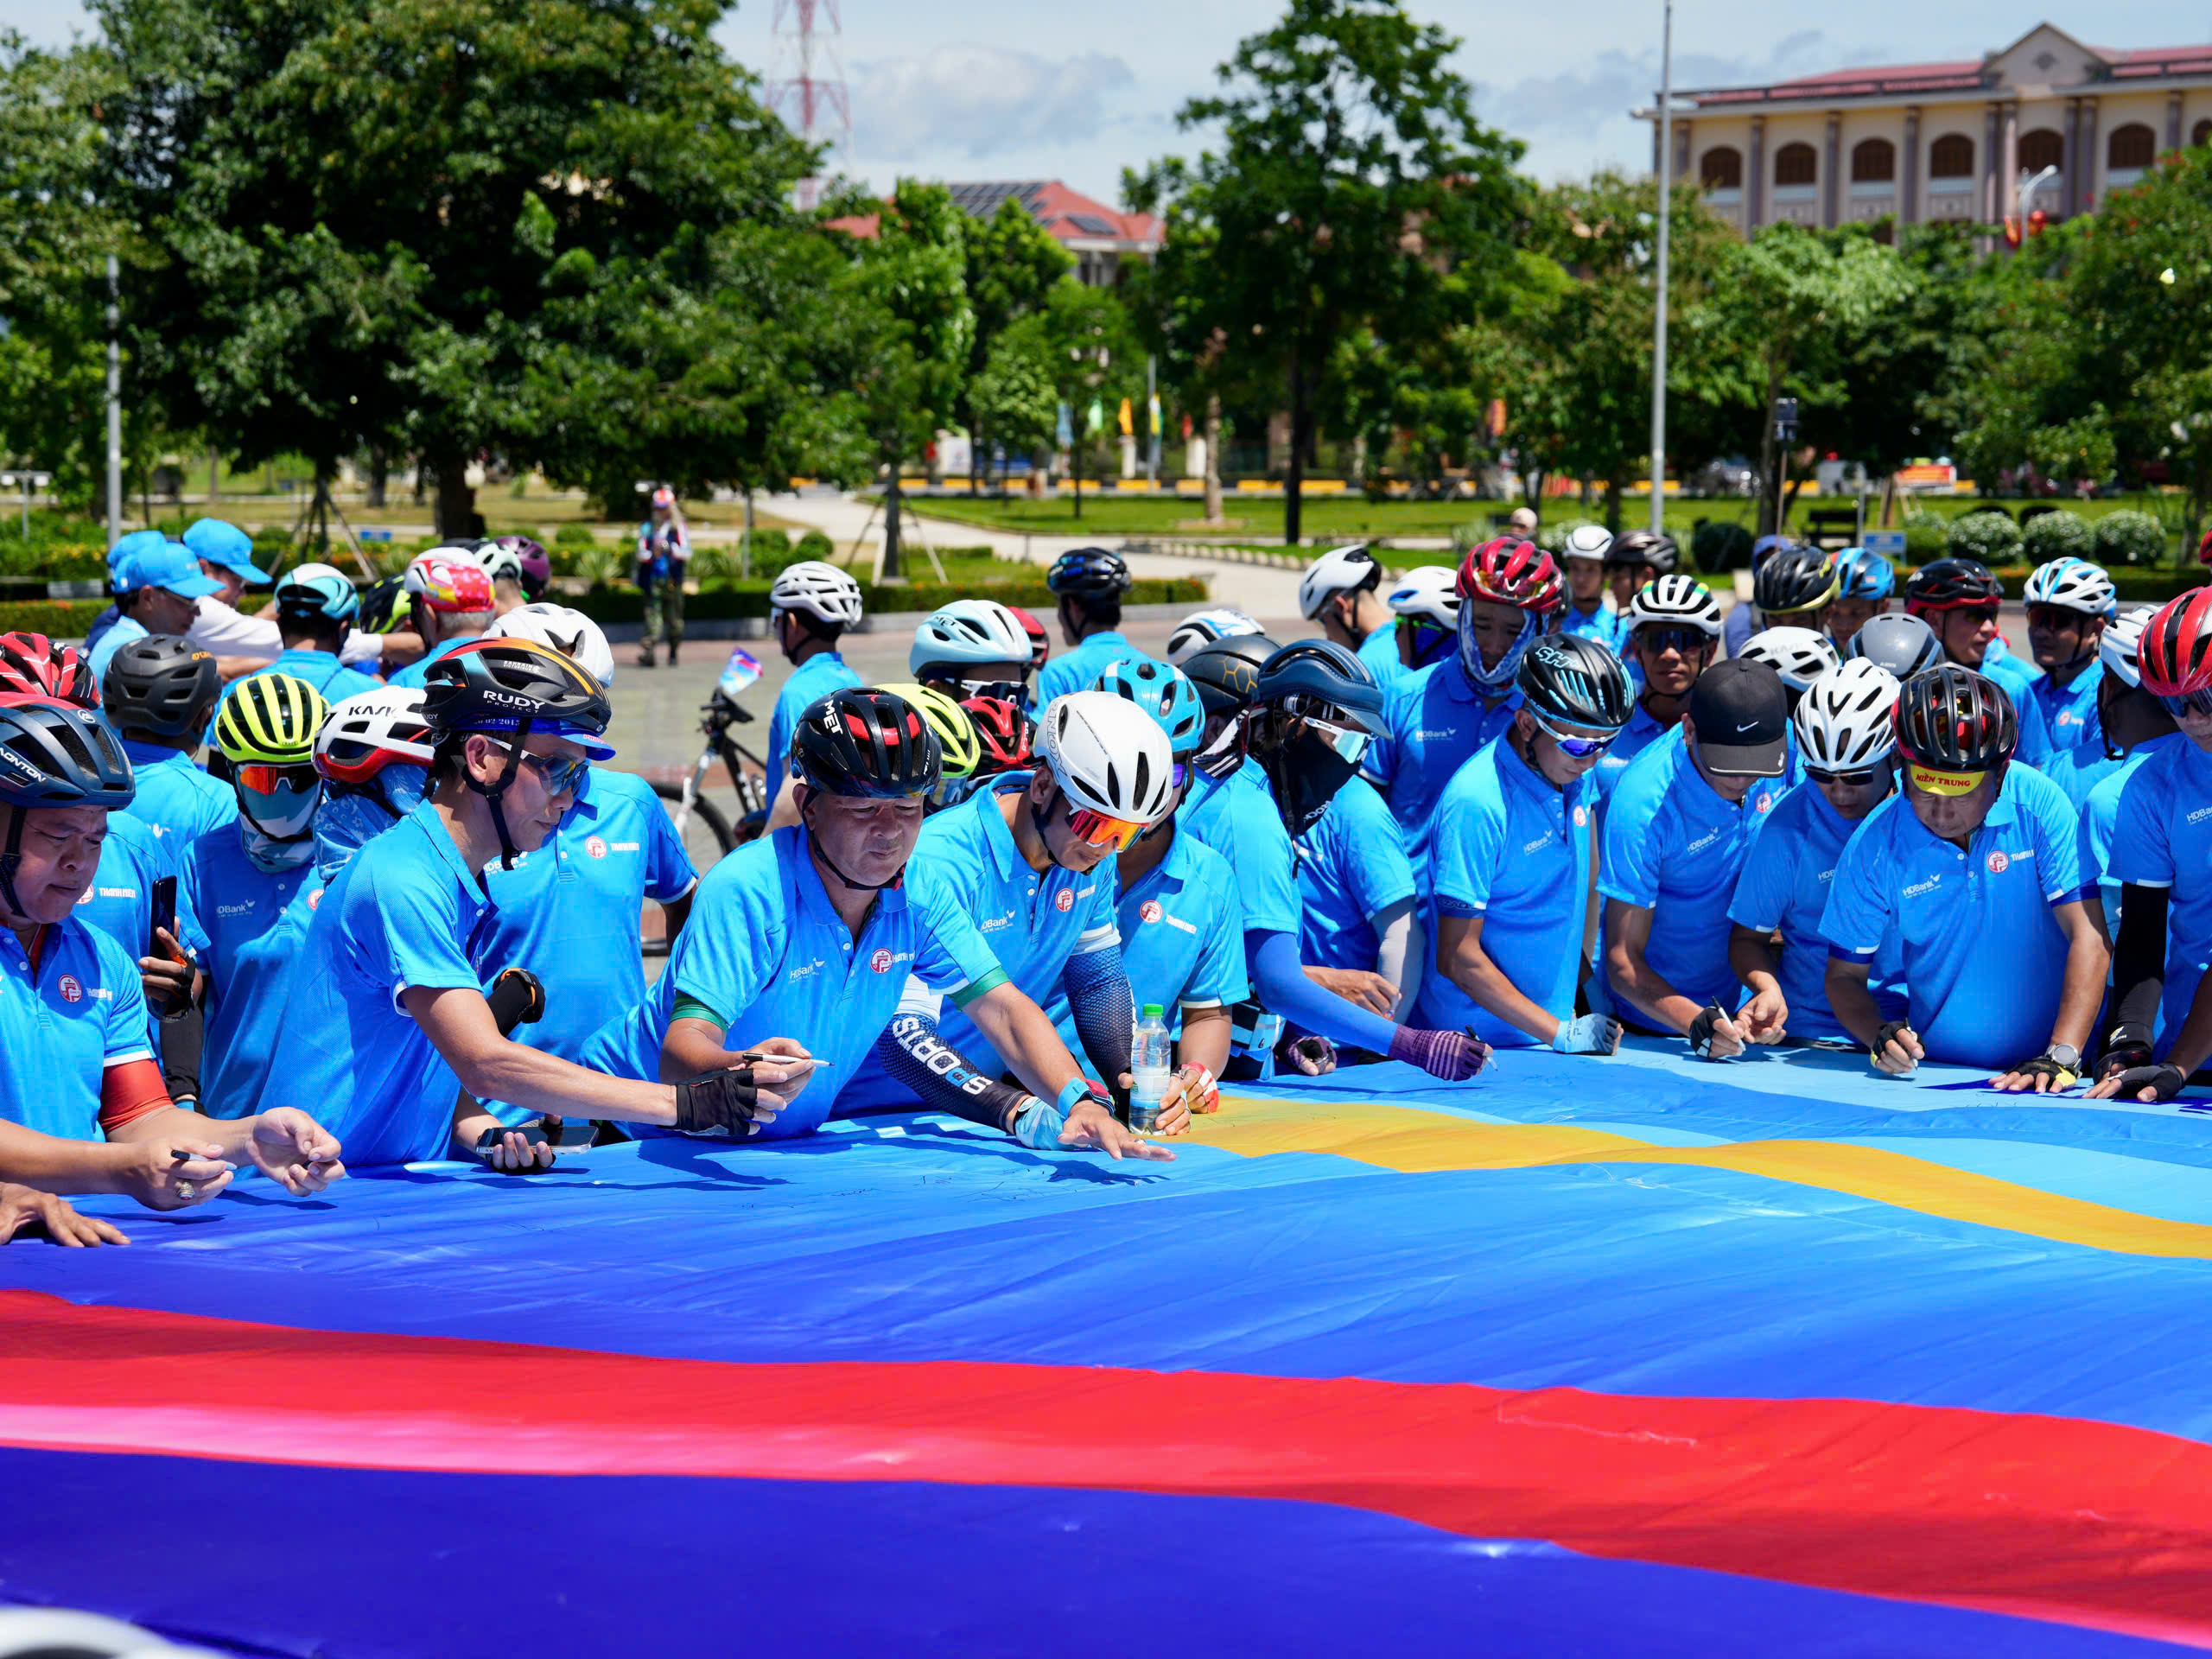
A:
(163, 920)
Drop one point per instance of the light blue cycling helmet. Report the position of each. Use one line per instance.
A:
(1163, 692)
(1863, 575)
(317, 590)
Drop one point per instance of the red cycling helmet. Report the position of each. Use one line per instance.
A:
(2175, 654)
(2204, 547)
(1510, 571)
(32, 665)
(1040, 647)
(1952, 585)
(1006, 732)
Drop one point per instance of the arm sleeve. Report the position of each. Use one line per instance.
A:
(2138, 959)
(1401, 947)
(1099, 999)
(129, 1092)
(912, 1053)
(1280, 979)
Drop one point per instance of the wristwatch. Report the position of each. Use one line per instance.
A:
(2066, 1056)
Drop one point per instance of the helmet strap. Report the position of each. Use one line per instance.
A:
(11, 859)
(495, 790)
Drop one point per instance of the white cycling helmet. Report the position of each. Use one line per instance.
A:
(1588, 541)
(570, 632)
(1843, 721)
(2073, 585)
(823, 592)
(2123, 639)
(1201, 628)
(1799, 655)
(364, 733)
(1428, 593)
(969, 631)
(1339, 571)
(1677, 601)
(500, 563)
(1108, 754)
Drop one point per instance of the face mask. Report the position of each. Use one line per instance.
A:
(275, 855)
(1305, 774)
(351, 819)
(1471, 655)
(1221, 756)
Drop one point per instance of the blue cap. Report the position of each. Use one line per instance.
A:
(169, 565)
(138, 541)
(225, 544)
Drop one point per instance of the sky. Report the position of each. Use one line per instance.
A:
(1030, 89)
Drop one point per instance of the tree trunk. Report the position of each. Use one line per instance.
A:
(1075, 464)
(1293, 504)
(214, 477)
(1213, 457)
(456, 508)
(1770, 489)
(1616, 488)
(379, 475)
(888, 569)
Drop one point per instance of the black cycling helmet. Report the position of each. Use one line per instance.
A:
(1570, 677)
(1903, 645)
(1312, 679)
(50, 756)
(1952, 719)
(1089, 573)
(1795, 579)
(510, 688)
(866, 743)
(1641, 547)
(1952, 585)
(163, 684)
(1227, 672)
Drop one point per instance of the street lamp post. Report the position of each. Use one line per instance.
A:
(1659, 315)
(29, 482)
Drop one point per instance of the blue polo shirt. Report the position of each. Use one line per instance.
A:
(2101, 813)
(1784, 885)
(405, 912)
(1603, 624)
(767, 955)
(1079, 668)
(569, 913)
(63, 1023)
(812, 680)
(1514, 851)
(120, 901)
(320, 669)
(1639, 734)
(1436, 721)
(102, 651)
(1182, 937)
(1379, 651)
(413, 674)
(1673, 846)
(2070, 711)
(176, 798)
(1237, 818)
(1351, 868)
(2019, 680)
(2162, 837)
(1982, 956)
(239, 933)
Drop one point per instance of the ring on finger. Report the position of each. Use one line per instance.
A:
(184, 1189)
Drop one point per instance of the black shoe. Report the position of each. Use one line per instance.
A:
(673, 649)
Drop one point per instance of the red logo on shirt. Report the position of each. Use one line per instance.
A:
(1581, 816)
(1150, 910)
(87, 896)
(1997, 863)
(70, 990)
(880, 961)
(315, 899)
(596, 847)
(1064, 901)
(1766, 802)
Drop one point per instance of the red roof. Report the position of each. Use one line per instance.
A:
(1067, 215)
(1876, 79)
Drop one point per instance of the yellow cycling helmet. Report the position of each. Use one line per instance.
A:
(270, 720)
(955, 732)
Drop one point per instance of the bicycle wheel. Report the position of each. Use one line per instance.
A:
(704, 831)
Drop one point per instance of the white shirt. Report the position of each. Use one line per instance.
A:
(220, 628)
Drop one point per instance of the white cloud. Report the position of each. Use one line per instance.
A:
(978, 101)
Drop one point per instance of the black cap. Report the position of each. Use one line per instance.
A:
(1741, 711)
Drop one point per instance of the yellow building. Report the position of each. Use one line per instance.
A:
(1942, 141)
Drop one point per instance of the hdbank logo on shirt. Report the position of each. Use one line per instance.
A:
(806, 969)
(999, 924)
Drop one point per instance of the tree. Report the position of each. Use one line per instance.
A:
(1013, 264)
(1093, 353)
(1016, 398)
(1352, 184)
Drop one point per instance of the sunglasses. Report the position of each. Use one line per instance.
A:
(1575, 749)
(268, 780)
(1929, 781)
(2189, 702)
(1013, 691)
(1685, 642)
(1349, 744)
(2056, 616)
(1101, 829)
(1858, 779)
(560, 774)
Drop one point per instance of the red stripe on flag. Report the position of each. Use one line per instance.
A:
(2083, 1523)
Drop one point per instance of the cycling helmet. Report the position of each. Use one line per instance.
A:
(1591, 541)
(960, 749)
(163, 684)
(1227, 672)
(2175, 655)
(537, 564)
(32, 665)
(1040, 647)
(264, 749)
(871, 745)
(570, 632)
(1089, 573)
(1846, 719)
(500, 562)
(1004, 731)
(1795, 579)
(1643, 547)
(2203, 548)
(365, 734)
(1903, 645)
(967, 631)
(822, 591)
(449, 579)
(1316, 676)
(513, 689)
(1430, 594)
(1108, 755)
(52, 756)
(1573, 678)
(1506, 572)
(383, 606)
(1799, 655)
(2122, 641)
(1166, 694)
(1952, 585)
(1201, 628)
(1311, 680)
(270, 720)
(317, 592)
(1951, 719)
(1340, 570)
(1677, 602)
(2072, 585)
(1861, 574)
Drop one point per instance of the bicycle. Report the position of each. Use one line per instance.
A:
(707, 834)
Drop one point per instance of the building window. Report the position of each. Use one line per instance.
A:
(1874, 161)
(1951, 156)
(2199, 134)
(2131, 146)
(1796, 164)
(2040, 149)
(1721, 169)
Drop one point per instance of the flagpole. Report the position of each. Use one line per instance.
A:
(1659, 311)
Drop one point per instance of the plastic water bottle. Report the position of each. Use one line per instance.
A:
(1151, 1060)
